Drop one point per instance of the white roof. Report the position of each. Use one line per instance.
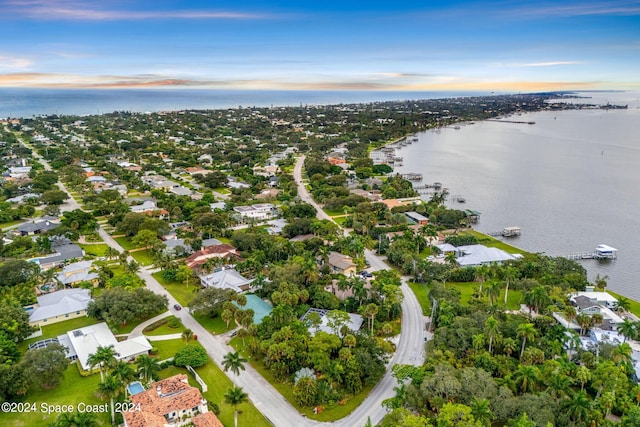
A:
(480, 254)
(85, 341)
(59, 303)
(595, 296)
(605, 248)
(225, 279)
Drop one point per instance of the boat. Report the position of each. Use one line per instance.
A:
(461, 199)
(510, 231)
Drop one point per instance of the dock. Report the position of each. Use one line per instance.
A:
(601, 252)
(511, 121)
(506, 232)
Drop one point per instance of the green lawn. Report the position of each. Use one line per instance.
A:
(143, 258)
(491, 242)
(222, 190)
(184, 295)
(74, 389)
(11, 224)
(634, 305)
(330, 413)
(95, 250)
(55, 329)
(129, 326)
(167, 349)
(421, 292)
(340, 220)
(218, 384)
(125, 242)
(161, 327)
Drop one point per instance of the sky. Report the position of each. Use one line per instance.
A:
(508, 45)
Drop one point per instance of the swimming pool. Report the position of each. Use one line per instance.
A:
(135, 388)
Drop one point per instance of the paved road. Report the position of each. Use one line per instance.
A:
(410, 348)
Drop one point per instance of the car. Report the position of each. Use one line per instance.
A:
(177, 307)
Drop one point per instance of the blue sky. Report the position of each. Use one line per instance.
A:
(377, 45)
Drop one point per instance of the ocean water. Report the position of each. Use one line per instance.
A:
(24, 103)
(571, 181)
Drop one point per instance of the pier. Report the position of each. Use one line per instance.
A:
(506, 232)
(601, 252)
(511, 121)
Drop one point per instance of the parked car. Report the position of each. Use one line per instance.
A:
(177, 307)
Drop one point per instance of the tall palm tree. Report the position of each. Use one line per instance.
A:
(109, 389)
(526, 331)
(104, 357)
(558, 386)
(481, 274)
(509, 274)
(491, 331)
(481, 411)
(234, 362)
(148, 367)
(578, 407)
(536, 298)
(584, 375)
(527, 376)
(234, 397)
(623, 304)
(123, 372)
(493, 291)
(509, 346)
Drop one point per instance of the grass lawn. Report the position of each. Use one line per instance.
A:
(634, 306)
(421, 292)
(161, 327)
(143, 258)
(332, 212)
(95, 250)
(11, 224)
(340, 220)
(55, 329)
(218, 384)
(467, 289)
(74, 389)
(167, 349)
(224, 240)
(125, 242)
(491, 242)
(129, 326)
(184, 296)
(330, 413)
(222, 190)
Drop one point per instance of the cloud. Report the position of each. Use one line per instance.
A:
(549, 64)
(73, 10)
(618, 8)
(14, 62)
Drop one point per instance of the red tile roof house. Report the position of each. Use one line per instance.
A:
(170, 402)
(197, 259)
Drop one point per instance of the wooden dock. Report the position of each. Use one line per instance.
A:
(585, 255)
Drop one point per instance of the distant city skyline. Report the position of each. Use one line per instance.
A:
(502, 46)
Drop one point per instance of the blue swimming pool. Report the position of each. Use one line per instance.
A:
(135, 388)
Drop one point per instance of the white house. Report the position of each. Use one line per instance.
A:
(226, 279)
(259, 211)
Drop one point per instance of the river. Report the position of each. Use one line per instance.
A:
(570, 181)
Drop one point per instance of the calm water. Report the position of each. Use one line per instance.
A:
(29, 102)
(571, 181)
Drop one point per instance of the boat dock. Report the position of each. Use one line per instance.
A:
(601, 252)
(511, 121)
(506, 232)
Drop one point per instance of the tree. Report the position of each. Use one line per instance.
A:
(234, 362)
(622, 304)
(77, 419)
(184, 275)
(481, 411)
(234, 397)
(336, 319)
(191, 355)
(109, 389)
(210, 301)
(456, 415)
(369, 311)
(46, 366)
(14, 322)
(491, 331)
(628, 329)
(17, 271)
(227, 316)
(120, 306)
(578, 406)
(305, 391)
(148, 367)
(53, 197)
(103, 358)
(187, 336)
(509, 274)
(145, 239)
(526, 331)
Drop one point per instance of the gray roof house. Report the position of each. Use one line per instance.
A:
(61, 305)
(35, 227)
(64, 252)
(77, 272)
(226, 279)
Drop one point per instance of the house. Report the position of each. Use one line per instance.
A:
(588, 306)
(604, 299)
(176, 246)
(259, 211)
(416, 218)
(472, 255)
(64, 252)
(170, 402)
(180, 191)
(77, 272)
(340, 263)
(226, 279)
(83, 342)
(392, 203)
(200, 257)
(149, 207)
(60, 305)
(266, 171)
(23, 198)
(197, 170)
(159, 182)
(36, 227)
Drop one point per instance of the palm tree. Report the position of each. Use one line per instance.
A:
(628, 329)
(493, 291)
(578, 407)
(111, 253)
(584, 375)
(623, 304)
(370, 311)
(187, 336)
(234, 362)
(123, 372)
(509, 274)
(481, 274)
(584, 320)
(622, 354)
(235, 396)
(109, 389)
(103, 357)
(478, 342)
(527, 377)
(558, 386)
(601, 282)
(481, 411)
(526, 331)
(148, 367)
(536, 298)
(509, 346)
(226, 316)
(491, 331)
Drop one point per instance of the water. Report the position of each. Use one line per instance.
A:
(570, 181)
(24, 103)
